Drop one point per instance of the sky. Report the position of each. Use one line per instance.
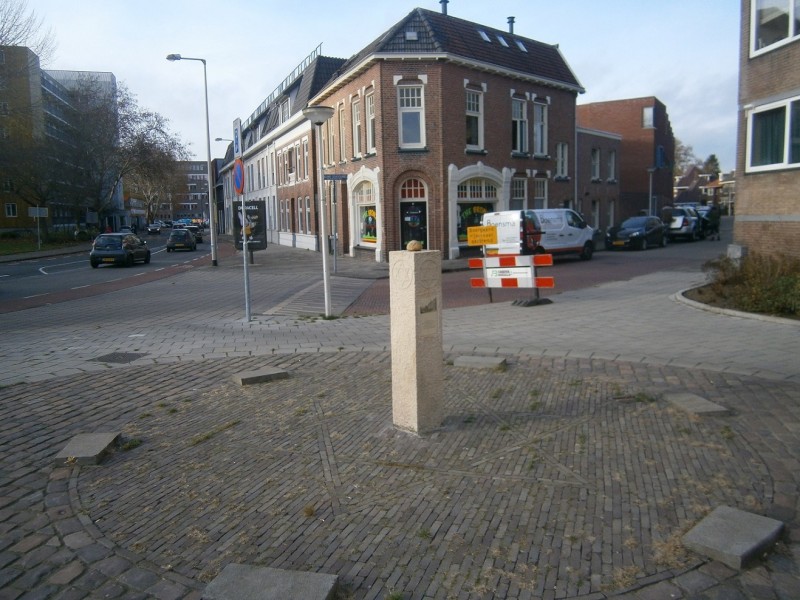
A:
(683, 52)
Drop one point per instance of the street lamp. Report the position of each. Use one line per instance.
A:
(318, 115)
(212, 197)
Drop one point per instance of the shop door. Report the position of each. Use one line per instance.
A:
(414, 223)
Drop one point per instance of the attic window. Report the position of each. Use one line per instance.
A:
(484, 35)
(521, 46)
(411, 36)
(502, 41)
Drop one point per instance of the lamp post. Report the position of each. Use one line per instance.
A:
(212, 197)
(318, 115)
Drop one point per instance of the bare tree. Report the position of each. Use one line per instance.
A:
(685, 158)
(21, 27)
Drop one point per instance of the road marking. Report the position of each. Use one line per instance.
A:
(136, 335)
(36, 296)
(81, 286)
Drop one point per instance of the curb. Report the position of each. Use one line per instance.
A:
(679, 297)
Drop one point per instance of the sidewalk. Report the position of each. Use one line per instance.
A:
(567, 475)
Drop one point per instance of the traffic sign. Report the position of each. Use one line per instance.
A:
(238, 176)
(335, 176)
(481, 235)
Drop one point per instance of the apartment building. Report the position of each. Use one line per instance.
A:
(648, 147)
(768, 141)
(36, 120)
(436, 122)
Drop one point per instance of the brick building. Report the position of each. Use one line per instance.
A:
(598, 177)
(768, 142)
(436, 122)
(647, 145)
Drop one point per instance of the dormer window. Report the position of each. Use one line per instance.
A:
(484, 35)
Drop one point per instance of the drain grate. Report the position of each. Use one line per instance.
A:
(119, 357)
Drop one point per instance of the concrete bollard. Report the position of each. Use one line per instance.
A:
(415, 293)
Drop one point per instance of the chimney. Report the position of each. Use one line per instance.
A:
(444, 6)
(510, 24)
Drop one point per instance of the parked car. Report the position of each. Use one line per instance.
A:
(154, 228)
(125, 229)
(196, 231)
(685, 224)
(118, 249)
(181, 239)
(167, 224)
(637, 232)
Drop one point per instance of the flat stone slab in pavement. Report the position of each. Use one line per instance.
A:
(696, 405)
(732, 536)
(86, 448)
(480, 362)
(247, 582)
(259, 376)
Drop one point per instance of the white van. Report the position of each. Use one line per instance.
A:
(565, 232)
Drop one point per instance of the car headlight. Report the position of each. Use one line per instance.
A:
(636, 234)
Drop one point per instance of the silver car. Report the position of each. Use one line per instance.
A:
(685, 224)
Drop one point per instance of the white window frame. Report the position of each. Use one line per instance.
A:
(786, 105)
(305, 158)
(562, 159)
(611, 163)
(371, 123)
(355, 113)
(595, 165)
(474, 110)
(411, 101)
(11, 210)
(540, 128)
(648, 121)
(342, 136)
(539, 192)
(519, 125)
(792, 7)
(519, 193)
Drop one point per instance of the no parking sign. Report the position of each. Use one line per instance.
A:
(238, 176)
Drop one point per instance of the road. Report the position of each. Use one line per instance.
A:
(32, 283)
(38, 282)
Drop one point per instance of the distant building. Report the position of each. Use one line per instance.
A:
(192, 202)
(768, 143)
(37, 114)
(647, 148)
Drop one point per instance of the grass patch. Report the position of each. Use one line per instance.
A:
(424, 534)
(130, 444)
(764, 284)
(203, 437)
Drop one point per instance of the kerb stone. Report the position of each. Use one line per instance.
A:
(259, 376)
(247, 582)
(732, 536)
(86, 448)
(480, 362)
(696, 405)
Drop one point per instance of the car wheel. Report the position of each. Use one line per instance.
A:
(94, 264)
(643, 245)
(147, 258)
(588, 250)
(129, 260)
(169, 249)
(663, 243)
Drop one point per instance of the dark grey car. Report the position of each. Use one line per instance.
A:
(118, 249)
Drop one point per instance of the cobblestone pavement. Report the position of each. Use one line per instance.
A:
(566, 475)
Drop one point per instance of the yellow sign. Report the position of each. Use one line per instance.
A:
(481, 235)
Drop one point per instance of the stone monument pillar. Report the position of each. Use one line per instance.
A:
(415, 284)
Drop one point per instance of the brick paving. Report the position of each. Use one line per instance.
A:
(565, 475)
